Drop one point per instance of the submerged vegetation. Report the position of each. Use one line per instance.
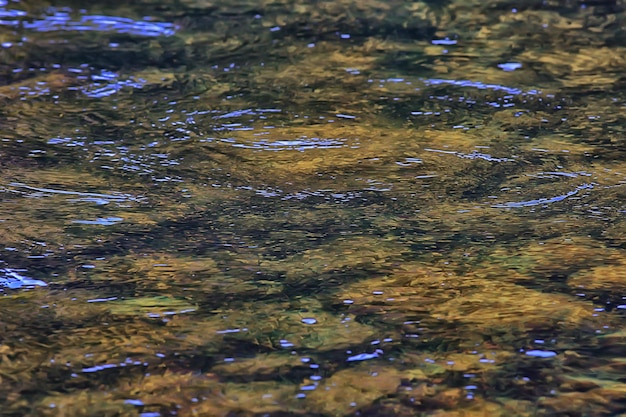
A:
(334, 208)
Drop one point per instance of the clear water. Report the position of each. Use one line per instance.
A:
(346, 208)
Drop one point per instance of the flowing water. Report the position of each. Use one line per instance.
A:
(312, 208)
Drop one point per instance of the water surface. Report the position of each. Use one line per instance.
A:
(346, 208)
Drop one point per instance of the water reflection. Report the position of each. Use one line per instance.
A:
(84, 196)
(14, 279)
(108, 83)
(300, 144)
(472, 155)
(480, 86)
(545, 200)
(244, 112)
(107, 221)
(66, 20)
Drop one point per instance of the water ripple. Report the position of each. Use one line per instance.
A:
(100, 197)
(472, 155)
(300, 144)
(541, 201)
(479, 85)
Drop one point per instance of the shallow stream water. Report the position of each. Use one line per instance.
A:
(312, 208)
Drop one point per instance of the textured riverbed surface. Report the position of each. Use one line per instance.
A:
(298, 208)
